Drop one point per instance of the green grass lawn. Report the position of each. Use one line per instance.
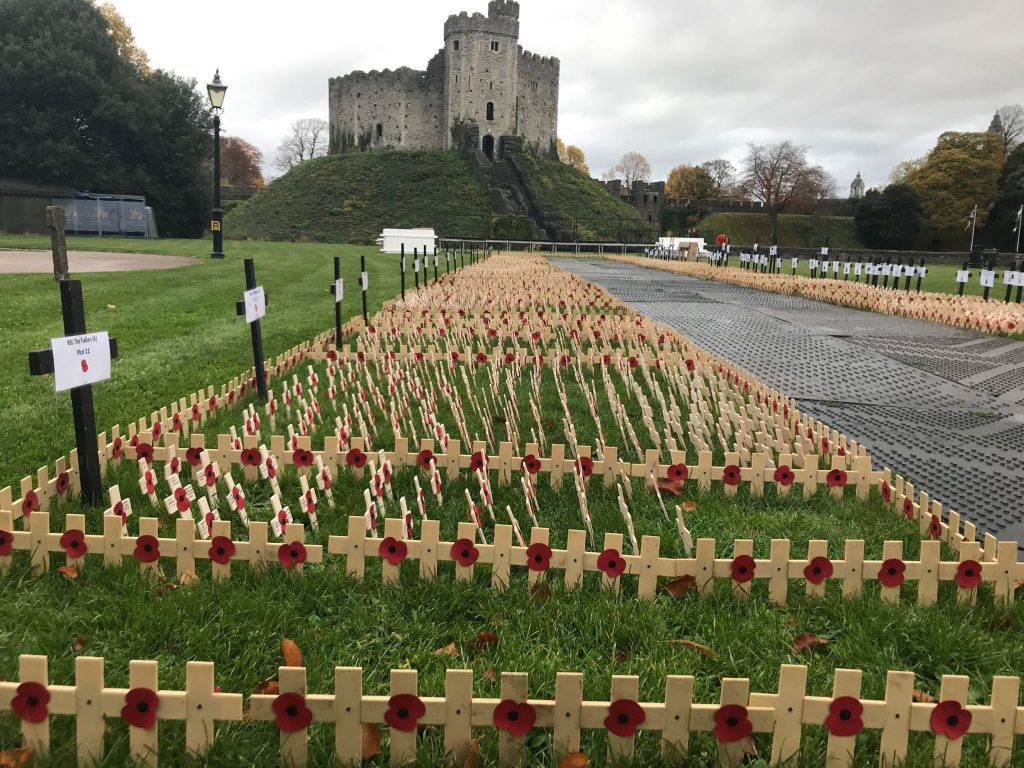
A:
(176, 329)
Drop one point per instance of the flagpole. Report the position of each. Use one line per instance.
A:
(1020, 221)
(974, 224)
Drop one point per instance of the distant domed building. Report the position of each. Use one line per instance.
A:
(857, 188)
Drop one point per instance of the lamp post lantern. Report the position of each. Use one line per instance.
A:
(216, 91)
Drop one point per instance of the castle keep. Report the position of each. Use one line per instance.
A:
(481, 86)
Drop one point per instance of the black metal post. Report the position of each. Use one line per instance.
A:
(402, 266)
(416, 266)
(874, 269)
(217, 220)
(337, 303)
(363, 286)
(920, 275)
(435, 263)
(987, 289)
(960, 290)
(424, 267)
(257, 338)
(447, 261)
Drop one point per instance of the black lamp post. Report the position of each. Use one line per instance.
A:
(216, 91)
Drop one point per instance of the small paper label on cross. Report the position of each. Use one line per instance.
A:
(339, 290)
(255, 304)
(80, 360)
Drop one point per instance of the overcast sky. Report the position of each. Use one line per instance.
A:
(863, 83)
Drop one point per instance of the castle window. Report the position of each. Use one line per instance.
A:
(494, 45)
(380, 130)
(490, 110)
(533, 87)
(455, 45)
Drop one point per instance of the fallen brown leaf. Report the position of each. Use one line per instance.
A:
(923, 697)
(448, 650)
(188, 578)
(491, 674)
(78, 645)
(291, 652)
(806, 641)
(473, 755)
(15, 758)
(371, 741)
(694, 647)
(622, 653)
(749, 747)
(682, 585)
(69, 570)
(790, 623)
(111, 306)
(484, 639)
(269, 688)
(689, 506)
(671, 487)
(540, 592)
(574, 760)
(754, 534)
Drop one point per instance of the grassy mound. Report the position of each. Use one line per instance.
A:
(573, 195)
(794, 231)
(351, 198)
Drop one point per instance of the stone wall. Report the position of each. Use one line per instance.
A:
(537, 120)
(399, 109)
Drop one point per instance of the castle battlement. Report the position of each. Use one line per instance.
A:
(498, 24)
(481, 84)
(536, 58)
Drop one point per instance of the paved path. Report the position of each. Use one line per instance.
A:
(18, 262)
(941, 405)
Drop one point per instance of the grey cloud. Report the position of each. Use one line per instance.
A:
(864, 83)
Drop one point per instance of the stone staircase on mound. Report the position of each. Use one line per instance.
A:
(510, 194)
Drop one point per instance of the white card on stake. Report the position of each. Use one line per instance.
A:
(255, 304)
(80, 360)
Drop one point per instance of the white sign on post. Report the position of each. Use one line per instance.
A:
(80, 360)
(824, 251)
(813, 264)
(366, 281)
(794, 262)
(255, 304)
(339, 290)
(988, 278)
(773, 250)
(1009, 277)
(857, 268)
(962, 276)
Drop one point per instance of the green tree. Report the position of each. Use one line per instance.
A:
(689, 182)
(960, 172)
(75, 111)
(999, 230)
(889, 219)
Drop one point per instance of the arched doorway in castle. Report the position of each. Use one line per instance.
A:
(489, 146)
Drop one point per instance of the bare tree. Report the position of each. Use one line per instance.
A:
(632, 167)
(779, 174)
(723, 176)
(1009, 122)
(308, 139)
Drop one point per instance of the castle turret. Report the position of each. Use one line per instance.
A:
(482, 71)
(857, 188)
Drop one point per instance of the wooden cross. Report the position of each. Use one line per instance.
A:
(40, 362)
(257, 338)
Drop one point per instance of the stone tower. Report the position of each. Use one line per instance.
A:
(482, 71)
(857, 188)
